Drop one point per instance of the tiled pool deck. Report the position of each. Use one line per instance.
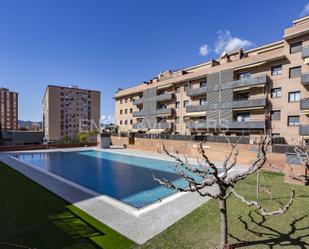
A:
(138, 225)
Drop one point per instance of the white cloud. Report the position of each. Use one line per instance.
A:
(107, 119)
(227, 43)
(204, 50)
(305, 10)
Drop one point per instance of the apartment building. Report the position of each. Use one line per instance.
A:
(68, 110)
(265, 88)
(8, 109)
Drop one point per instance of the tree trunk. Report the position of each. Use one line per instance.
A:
(223, 234)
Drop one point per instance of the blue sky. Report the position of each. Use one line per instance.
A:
(104, 45)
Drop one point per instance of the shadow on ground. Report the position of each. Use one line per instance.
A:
(274, 237)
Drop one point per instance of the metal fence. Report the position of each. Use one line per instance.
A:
(214, 139)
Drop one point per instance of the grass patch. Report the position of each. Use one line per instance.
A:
(200, 229)
(32, 216)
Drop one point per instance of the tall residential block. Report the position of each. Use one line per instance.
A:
(265, 88)
(8, 109)
(69, 110)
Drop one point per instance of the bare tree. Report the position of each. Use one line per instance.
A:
(302, 153)
(218, 182)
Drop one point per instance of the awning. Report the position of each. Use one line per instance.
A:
(196, 114)
(249, 65)
(134, 130)
(249, 108)
(306, 112)
(155, 131)
(164, 86)
(247, 87)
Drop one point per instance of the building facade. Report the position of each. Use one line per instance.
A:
(69, 110)
(265, 88)
(8, 109)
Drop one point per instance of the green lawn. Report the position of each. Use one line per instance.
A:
(32, 216)
(200, 229)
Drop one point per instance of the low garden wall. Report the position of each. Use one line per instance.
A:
(215, 151)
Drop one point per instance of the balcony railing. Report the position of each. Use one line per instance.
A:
(304, 79)
(304, 104)
(160, 125)
(192, 92)
(247, 82)
(257, 125)
(196, 108)
(305, 52)
(138, 101)
(165, 97)
(303, 130)
(167, 111)
(138, 114)
(249, 103)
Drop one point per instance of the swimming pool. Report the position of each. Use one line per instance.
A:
(123, 177)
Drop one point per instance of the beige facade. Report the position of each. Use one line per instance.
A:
(69, 110)
(8, 109)
(242, 91)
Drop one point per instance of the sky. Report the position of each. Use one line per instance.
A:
(106, 45)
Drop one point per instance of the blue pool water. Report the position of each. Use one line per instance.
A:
(123, 177)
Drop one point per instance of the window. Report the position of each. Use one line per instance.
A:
(294, 96)
(177, 89)
(177, 105)
(126, 100)
(120, 112)
(121, 101)
(203, 101)
(295, 72)
(244, 116)
(203, 83)
(185, 119)
(276, 92)
(276, 70)
(275, 115)
(126, 111)
(131, 121)
(295, 47)
(242, 96)
(163, 106)
(177, 120)
(245, 75)
(186, 87)
(120, 122)
(185, 103)
(293, 120)
(126, 122)
(131, 110)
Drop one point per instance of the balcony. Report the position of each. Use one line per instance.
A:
(303, 130)
(257, 125)
(248, 82)
(304, 104)
(249, 103)
(138, 114)
(193, 92)
(138, 101)
(305, 52)
(160, 125)
(304, 79)
(254, 125)
(165, 112)
(196, 108)
(165, 97)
